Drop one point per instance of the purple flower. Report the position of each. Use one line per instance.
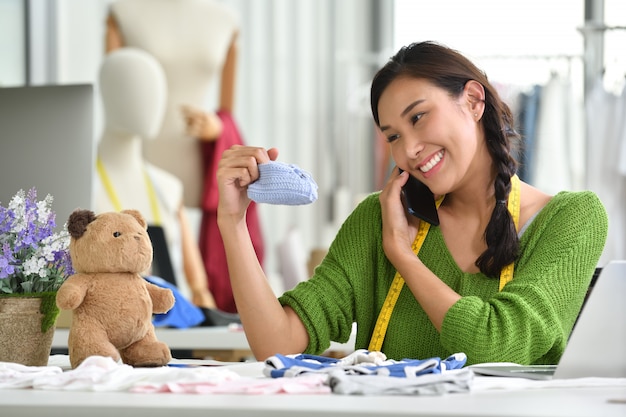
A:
(6, 261)
(33, 258)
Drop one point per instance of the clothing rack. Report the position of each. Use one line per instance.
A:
(533, 57)
(599, 28)
(530, 56)
(590, 29)
(569, 66)
(593, 33)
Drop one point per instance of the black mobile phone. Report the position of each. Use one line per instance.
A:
(420, 201)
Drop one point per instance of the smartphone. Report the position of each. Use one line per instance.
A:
(420, 201)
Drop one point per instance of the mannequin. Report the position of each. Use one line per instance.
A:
(195, 41)
(133, 90)
(192, 40)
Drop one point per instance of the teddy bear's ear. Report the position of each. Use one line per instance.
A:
(138, 216)
(78, 221)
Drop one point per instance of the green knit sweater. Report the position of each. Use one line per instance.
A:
(528, 322)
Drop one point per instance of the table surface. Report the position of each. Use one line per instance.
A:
(192, 338)
(553, 402)
(209, 338)
(535, 402)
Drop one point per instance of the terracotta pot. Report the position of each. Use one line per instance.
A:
(21, 337)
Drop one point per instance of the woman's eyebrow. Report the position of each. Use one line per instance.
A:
(410, 107)
(405, 111)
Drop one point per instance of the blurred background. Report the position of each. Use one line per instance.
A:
(303, 79)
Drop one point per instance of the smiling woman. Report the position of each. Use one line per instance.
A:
(492, 280)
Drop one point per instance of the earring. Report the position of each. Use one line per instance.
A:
(475, 114)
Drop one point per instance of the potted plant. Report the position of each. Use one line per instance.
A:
(34, 262)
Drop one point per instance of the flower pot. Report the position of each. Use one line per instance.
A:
(23, 338)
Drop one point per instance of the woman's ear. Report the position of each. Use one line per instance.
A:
(475, 95)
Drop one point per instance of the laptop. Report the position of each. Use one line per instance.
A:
(597, 345)
(47, 142)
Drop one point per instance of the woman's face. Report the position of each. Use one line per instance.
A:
(432, 135)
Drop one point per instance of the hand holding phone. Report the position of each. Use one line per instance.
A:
(420, 201)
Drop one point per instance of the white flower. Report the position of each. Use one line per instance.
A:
(35, 266)
(43, 209)
(32, 257)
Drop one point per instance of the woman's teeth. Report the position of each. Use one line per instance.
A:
(430, 164)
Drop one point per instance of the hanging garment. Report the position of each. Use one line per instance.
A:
(211, 244)
(622, 135)
(605, 114)
(552, 166)
(529, 110)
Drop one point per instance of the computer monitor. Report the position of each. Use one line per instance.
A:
(47, 142)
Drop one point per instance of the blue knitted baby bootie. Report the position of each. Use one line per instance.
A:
(281, 183)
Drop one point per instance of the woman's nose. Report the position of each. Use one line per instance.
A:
(413, 146)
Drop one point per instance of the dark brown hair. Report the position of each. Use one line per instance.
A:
(450, 70)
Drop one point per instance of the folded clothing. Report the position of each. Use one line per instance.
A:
(16, 375)
(360, 362)
(284, 184)
(457, 380)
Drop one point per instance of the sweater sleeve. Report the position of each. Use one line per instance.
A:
(328, 302)
(530, 320)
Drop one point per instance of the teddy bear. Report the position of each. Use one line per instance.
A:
(111, 303)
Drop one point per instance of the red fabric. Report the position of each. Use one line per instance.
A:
(211, 244)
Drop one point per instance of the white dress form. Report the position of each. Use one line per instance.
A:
(133, 91)
(192, 40)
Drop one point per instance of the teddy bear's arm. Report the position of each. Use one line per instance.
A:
(162, 298)
(72, 292)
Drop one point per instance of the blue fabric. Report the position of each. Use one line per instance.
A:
(284, 184)
(528, 119)
(184, 314)
(278, 366)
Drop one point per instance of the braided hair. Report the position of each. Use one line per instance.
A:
(450, 70)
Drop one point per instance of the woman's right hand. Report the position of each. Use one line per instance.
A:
(399, 228)
(237, 169)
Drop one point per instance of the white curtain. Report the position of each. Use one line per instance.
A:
(303, 86)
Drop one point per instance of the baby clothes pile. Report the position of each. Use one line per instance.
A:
(103, 374)
(365, 372)
(360, 373)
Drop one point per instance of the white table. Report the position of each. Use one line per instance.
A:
(555, 402)
(201, 338)
(192, 338)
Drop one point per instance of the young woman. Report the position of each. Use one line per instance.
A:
(501, 278)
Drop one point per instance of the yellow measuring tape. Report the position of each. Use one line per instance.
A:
(108, 186)
(506, 275)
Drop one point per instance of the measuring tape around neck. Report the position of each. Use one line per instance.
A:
(506, 274)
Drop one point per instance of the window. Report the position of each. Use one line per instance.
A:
(12, 43)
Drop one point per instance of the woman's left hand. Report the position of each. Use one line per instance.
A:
(399, 229)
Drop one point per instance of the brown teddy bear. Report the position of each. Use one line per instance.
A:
(112, 303)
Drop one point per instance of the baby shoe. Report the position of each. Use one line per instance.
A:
(281, 183)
